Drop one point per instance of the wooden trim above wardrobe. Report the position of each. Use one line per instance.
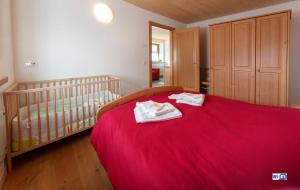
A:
(245, 18)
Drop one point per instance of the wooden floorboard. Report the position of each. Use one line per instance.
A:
(71, 164)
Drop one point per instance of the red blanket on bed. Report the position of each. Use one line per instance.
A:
(223, 145)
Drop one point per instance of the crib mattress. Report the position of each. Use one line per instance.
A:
(75, 118)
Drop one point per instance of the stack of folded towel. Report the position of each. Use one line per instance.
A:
(151, 111)
(189, 98)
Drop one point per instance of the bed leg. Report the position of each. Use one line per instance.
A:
(9, 163)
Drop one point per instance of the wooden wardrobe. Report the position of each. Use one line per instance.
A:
(249, 59)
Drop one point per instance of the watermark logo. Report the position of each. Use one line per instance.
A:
(279, 176)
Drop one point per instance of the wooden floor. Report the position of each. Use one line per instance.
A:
(69, 164)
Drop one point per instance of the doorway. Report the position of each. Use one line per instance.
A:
(160, 55)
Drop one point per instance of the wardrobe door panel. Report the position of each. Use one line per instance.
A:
(220, 82)
(271, 59)
(269, 88)
(244, 86)
(243, 60)
(220, 59)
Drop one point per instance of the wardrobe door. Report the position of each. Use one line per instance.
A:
(220, 59)
(186, 58)
(243, 60)
(271, 59)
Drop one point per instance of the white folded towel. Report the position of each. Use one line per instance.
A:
(144, 117)
(154, 108)
(188, 98)
(189, 102)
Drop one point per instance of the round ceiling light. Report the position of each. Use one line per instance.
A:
(103, 13)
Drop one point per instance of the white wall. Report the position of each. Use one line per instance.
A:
(65, 39)
(294, 92)
(6, 69)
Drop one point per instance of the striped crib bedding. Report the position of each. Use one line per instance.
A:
(79, 112)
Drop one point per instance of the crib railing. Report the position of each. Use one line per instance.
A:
(40, 112)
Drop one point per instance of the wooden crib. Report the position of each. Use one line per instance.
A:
(41, 112)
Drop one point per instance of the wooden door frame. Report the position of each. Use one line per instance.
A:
(162, 26)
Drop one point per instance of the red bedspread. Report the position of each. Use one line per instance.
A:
(223, 145)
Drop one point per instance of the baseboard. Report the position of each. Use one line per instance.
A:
(3, 174)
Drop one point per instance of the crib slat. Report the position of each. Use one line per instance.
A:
(26, 88)
(107, 91)
(99, 90)
(111, 90)
(88, 85)
(84, 82)
(82, 102)
(114, 90)
(117, 82)
(88, 103)
(70, 110)
(55, 114)
(71, 83)
(39, 118)
(103, 91)
(34, 95)
(66, 89)
(42, 93)
(63, 112)
(60, 93)
(76, 101)
(116, 95)
(118, 88)
(47, 114)
(94, 91)
(19, 123)
(29, 119)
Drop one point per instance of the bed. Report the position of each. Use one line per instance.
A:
(225, 144)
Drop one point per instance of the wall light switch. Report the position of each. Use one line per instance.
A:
(30, 64)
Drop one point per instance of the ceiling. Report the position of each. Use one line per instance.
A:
(188, 11)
